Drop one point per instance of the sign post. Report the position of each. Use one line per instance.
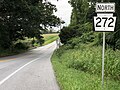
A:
(103, 60)
(104, 22)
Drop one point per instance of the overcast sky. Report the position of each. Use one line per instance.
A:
(64, 10)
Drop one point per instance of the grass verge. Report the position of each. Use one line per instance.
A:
(71, 76)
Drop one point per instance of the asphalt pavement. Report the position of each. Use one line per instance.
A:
(29, 71)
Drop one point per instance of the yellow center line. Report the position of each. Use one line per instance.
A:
(7, 60)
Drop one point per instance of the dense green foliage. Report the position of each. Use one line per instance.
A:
(81, 54)
(27, 44)
(79, 12)
(81, 23)
(80, 68)
(24, 18)
(75, 31)
(88, 59)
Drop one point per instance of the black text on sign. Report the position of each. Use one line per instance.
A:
(104, 22)
(105, 7)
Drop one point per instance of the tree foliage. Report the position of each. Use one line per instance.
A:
(25, 18)
(83, 12)
(79, 12)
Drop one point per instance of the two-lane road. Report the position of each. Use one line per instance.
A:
(29, 71)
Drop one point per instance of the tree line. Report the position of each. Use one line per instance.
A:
(81, 25)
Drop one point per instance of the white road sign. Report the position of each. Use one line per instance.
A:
(105, 7)
(104, 22)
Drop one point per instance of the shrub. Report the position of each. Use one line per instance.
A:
(20, 45)
(83, 31)
(74, 42)
(69, 32)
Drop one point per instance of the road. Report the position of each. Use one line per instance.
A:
(29, 71)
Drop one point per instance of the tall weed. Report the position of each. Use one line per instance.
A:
(89, 59)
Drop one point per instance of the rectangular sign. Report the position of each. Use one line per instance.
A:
(105, 7)
(104, 22)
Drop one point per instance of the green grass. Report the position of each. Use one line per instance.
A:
(49, 38)
(80, 69)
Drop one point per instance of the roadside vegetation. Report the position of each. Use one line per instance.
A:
(78, 63)
(23, 22)
(28, 43)
(80, 68)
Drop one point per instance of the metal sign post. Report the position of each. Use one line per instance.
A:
(103, 59)
(104, 21)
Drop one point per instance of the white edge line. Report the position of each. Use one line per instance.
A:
(5, 79)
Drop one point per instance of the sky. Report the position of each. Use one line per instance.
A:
(64, 10)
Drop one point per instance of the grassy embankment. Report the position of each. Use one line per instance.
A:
(49, 38)
(80, 69)
(28, 42)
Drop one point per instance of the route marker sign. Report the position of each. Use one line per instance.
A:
(105, 20)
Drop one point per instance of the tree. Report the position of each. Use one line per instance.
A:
(83, 13)
(79, 12)
(25, 18)
(113, 39)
